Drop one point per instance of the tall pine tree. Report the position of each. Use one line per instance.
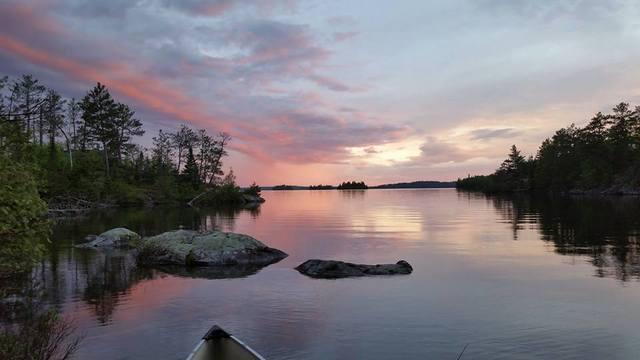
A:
(99, 110)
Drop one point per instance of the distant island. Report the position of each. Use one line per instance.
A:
(285, 187)
(352, 185)
(599, 158)
(321, 187)
(418, 185)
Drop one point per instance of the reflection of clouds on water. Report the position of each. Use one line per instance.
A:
(472, 282)
(399, 222)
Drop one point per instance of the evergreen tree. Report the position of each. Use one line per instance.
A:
(183, 139)
(25, 101)
(53, 115)
(190, 172)
(99, 110)
(513, 163)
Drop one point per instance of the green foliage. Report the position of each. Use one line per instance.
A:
(84, 149)
(253, 190)
(23, 226)
(87, 179)
(604, 156)
(164, 188)
(190, 175)
(225, 194)
(43, 336)
(126, 194)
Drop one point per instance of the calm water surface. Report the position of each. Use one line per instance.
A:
(515, 278)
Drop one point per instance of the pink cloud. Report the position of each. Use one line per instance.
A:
(299, 129)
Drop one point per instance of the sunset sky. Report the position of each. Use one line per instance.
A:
(323, 91)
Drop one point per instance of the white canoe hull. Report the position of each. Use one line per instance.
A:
(217, 344)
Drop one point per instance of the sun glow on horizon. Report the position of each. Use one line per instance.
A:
(388, 154)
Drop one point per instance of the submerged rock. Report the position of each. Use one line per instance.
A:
(114, 238)
(331, 269)
(185, 247)
(252, 199)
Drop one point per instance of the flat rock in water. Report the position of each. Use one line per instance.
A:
(114, 238)
(331, 269)
(185, 247)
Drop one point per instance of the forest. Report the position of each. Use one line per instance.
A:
(58, 154)
(85, 150)
(603, 157)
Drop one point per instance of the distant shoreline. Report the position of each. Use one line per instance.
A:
(404, 185)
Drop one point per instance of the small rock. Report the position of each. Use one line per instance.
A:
(114, 238)
(331, 269)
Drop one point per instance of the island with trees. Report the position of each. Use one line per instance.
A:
(352, 185)
(603, 157)
(418, 185)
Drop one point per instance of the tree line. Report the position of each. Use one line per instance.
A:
(603, 156)
(86, 147)
(352, 185)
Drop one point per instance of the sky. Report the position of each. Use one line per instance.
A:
(323, 91)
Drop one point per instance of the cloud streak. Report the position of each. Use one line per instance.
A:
(267, 52)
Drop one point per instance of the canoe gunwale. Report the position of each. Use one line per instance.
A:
(247, 347)
(193, 353)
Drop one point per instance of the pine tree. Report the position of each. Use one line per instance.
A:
(99, 110)
(514, 162)
(190, 173)
(27, 96)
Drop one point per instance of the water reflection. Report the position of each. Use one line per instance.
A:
(604, 229)
(489, 270)
(149, 221)
(99, 278)
(102, 278)
(212, 272)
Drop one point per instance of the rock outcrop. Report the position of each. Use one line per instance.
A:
(185, 247)
(252, 199)
(114, 238)
(331, 269)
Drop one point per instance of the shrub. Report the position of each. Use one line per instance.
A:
(24, 228)
(253, 190)
(46, 336)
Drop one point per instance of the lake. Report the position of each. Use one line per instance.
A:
(511, 277)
